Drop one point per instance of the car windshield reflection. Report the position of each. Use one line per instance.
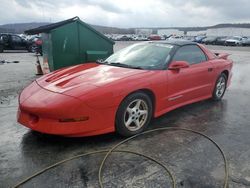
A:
(145, 56)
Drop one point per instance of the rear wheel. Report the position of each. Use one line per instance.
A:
(220, 87)
(134, 114)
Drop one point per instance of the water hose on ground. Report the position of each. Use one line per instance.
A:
(113, 149)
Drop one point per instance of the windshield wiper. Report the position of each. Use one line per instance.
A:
(101, 61)
(125, 65)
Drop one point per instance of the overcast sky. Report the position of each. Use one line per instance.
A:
(128, 13)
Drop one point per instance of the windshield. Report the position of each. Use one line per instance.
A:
(210, 38)
(142, 55)
(236, 38)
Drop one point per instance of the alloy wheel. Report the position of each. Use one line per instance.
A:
(136, 115)
(220, 87)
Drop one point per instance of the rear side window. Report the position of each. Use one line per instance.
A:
(16, 38)
(190, 53)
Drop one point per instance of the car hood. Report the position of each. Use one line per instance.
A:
(88, 76)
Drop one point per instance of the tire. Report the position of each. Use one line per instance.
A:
(220, 87)
(137, 119)
(29, 48)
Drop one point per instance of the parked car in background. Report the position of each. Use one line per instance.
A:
(189, 38)
(244, 38)
(175, 37)
(246, 42)
(234, 41)
(199, 39)
(140, 38)
(209, 40)
(221, 40)
(14, 42)
(154, 37)
(124, 38)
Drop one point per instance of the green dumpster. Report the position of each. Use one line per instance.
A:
(71, 42)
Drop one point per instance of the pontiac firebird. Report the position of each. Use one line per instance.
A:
(125, 91)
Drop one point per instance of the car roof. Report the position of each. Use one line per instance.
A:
(175, 42)
(8, 34)
(5, 34)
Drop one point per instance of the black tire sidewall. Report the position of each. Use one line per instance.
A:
(29, 48)
(119, 123)
(215, 97)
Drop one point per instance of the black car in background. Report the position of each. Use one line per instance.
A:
(221, 40)
(209, 40)
(246, 42)
(125, 38)
(14, 42)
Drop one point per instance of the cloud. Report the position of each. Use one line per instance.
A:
(128, 13)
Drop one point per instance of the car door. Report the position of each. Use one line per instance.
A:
(192, 83)
(17, 43)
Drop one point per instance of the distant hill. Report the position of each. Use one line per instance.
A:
(225, 25)
(21, 27)
(109, 30)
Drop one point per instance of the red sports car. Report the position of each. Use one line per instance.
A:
(125, 91)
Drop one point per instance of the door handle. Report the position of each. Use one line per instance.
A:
(210, 69)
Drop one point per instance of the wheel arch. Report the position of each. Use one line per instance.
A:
(226, 72)
(149, 93)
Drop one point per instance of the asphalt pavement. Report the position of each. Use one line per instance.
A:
(195, 162)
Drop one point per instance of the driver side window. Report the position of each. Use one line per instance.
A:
(191, 54)
(16, 38)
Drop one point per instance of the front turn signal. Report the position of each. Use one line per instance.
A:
(74, 119)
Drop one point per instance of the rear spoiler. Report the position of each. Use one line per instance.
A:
(221, 55)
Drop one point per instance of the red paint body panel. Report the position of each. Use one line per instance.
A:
(95, 91)
(50, 107)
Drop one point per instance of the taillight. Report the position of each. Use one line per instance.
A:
(38, 42)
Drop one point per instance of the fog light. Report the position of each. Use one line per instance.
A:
(74, 119)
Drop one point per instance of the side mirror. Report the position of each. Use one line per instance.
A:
(177, 65)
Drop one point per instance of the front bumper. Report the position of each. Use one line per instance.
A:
(41, 110)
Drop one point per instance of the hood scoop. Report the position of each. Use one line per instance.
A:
(84, 75)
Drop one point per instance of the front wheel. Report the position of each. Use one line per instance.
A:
(220, 87)
(134, 114)
(29, 48)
